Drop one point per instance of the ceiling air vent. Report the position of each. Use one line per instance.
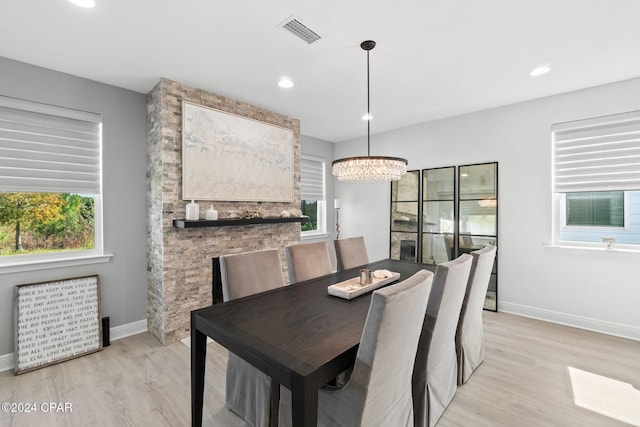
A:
(296, 26)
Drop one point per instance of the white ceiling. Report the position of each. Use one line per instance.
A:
(433, 59)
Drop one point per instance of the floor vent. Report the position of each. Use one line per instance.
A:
(296, 27)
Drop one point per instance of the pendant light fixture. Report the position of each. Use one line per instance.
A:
(369, 168)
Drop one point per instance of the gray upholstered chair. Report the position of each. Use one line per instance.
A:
(434, 381)
(470, 335)
(379, 390)
(248, 390)
(351, 253)
(441, 248)
(308, 261)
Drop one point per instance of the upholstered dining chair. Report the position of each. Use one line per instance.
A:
(441, 248)
(351, 252)
(470, 334)
(434, 381)
(248, 390)
(307, 261)
(379, 390)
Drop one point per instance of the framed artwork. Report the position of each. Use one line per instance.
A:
(56, 321)
(228, 157)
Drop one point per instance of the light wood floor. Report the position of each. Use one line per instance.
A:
(524, 381)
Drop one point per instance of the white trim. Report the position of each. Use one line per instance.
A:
(49, 109)
(133, 328)
(310, 235)
(595, 325)
(562, 211)
(594, 247)
(46, 264)
(7, 361)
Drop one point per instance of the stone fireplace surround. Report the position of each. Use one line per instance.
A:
(179, 273)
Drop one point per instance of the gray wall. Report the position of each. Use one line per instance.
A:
(320, 148)
(593, 289)
(123, 280)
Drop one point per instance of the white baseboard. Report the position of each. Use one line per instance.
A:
(602, 326)
(127, 330)
(7, 361)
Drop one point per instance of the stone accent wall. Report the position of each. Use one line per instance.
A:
(179, 260)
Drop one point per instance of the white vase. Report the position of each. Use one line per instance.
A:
(193, 211)
(211, 214)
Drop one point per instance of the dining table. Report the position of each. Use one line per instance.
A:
(298, 335)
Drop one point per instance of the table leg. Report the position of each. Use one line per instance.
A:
(198, 359)
(304, 401)
(275, 403)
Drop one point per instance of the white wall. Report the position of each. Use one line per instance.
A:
(123, 281)
(597, 290)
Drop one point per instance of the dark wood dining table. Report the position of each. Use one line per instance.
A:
(299, 335)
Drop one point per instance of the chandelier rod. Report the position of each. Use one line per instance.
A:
(368, 109)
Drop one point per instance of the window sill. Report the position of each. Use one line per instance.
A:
(313, 236)
(592, 249)
(46, 264)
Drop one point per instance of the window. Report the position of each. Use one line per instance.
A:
(594, 209)
(596, 178)
(312, 197)
(50, 182)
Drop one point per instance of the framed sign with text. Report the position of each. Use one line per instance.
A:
(56, 321)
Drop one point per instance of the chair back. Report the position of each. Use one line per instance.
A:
(350, 253)
(434, 379)
(307, 261)
(384, 362)
(442, 248)
(248, 273)
(470, 334)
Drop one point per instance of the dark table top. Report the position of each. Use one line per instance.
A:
(299, 329)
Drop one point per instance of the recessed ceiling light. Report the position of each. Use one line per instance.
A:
(84, 3)
(285, 83)
(367, 117)
(538, 71)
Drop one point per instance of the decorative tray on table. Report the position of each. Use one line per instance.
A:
(352, 288)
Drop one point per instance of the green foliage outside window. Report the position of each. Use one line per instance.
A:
(310, 209)
(45, 222)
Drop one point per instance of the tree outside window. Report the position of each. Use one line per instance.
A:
(33, 222)
(310, 209)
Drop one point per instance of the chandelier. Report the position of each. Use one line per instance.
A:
(369, 168)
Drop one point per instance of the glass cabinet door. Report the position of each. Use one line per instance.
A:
(405, 195)
(478, 215)
(438, 215)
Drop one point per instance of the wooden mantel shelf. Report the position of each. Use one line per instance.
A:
(223, 222)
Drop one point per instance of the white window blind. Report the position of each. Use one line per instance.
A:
(311, 179)
(599, 154)
(45, 148)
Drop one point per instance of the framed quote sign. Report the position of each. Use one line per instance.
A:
(56, 321)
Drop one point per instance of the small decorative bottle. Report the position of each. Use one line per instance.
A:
(193, 211)
(211, 214)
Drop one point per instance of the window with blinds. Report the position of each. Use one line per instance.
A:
(312, 194)
(596, 179)
(50, 179)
